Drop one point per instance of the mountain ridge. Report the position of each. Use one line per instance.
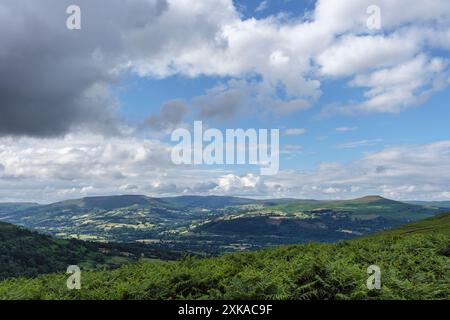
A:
(215, 223)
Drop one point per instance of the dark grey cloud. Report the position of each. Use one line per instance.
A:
(171, 114)
(381, 169)
(53, 80)
(221, 103)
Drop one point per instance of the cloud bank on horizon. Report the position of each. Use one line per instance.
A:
(361, 111)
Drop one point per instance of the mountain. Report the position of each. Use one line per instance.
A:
(207, 202)
(438, 204)
(8, 208)
(414, 261)
(367, 207)
(73, 207)
(215, 224)
(96, 218)
(301, 221)
(27, 253)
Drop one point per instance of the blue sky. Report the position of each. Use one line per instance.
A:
(261, 9)
(361, 110)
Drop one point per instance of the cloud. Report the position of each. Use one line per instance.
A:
(353, 54)
(52, 169)
(248, 184)
(263, 5)
(55, 80)
(294, 131)
(60, 80)
(346, 129)
(290, 151)
(289, 60)
(401, 172)
(172, 113)
(404, 85)
(358, 144)
(224, 101)
(56, 83)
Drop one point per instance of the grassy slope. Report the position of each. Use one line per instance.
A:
(441, 204)
(27, 253)
(414, 262)
(367, 206)
(23, 252)
(8, 208)
(438, 224)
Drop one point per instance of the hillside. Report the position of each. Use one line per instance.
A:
(439, 224)
(101, 218)
(215, 224)
(414, 265)
(67, 208)
(8, 208)
(367, 207)
(27, 253)
(299, 221)
(439, 204)
(207, 202)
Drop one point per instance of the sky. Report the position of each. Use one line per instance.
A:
(361, 111)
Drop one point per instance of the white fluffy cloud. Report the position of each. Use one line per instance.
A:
(332, 41)
(353, 54)
(79, 165)
(402, 86)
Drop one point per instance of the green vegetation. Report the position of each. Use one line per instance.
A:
(439, 224)
(27, 253)
(414, 261)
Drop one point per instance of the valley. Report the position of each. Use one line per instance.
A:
(212, 224)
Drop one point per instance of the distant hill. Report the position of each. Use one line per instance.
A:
(71, 207)
(125, 218)
(439, 204)
(366, 207)
(207, 202)
(110, 202)
(301, 221)
(214, 224)
(8, 208)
